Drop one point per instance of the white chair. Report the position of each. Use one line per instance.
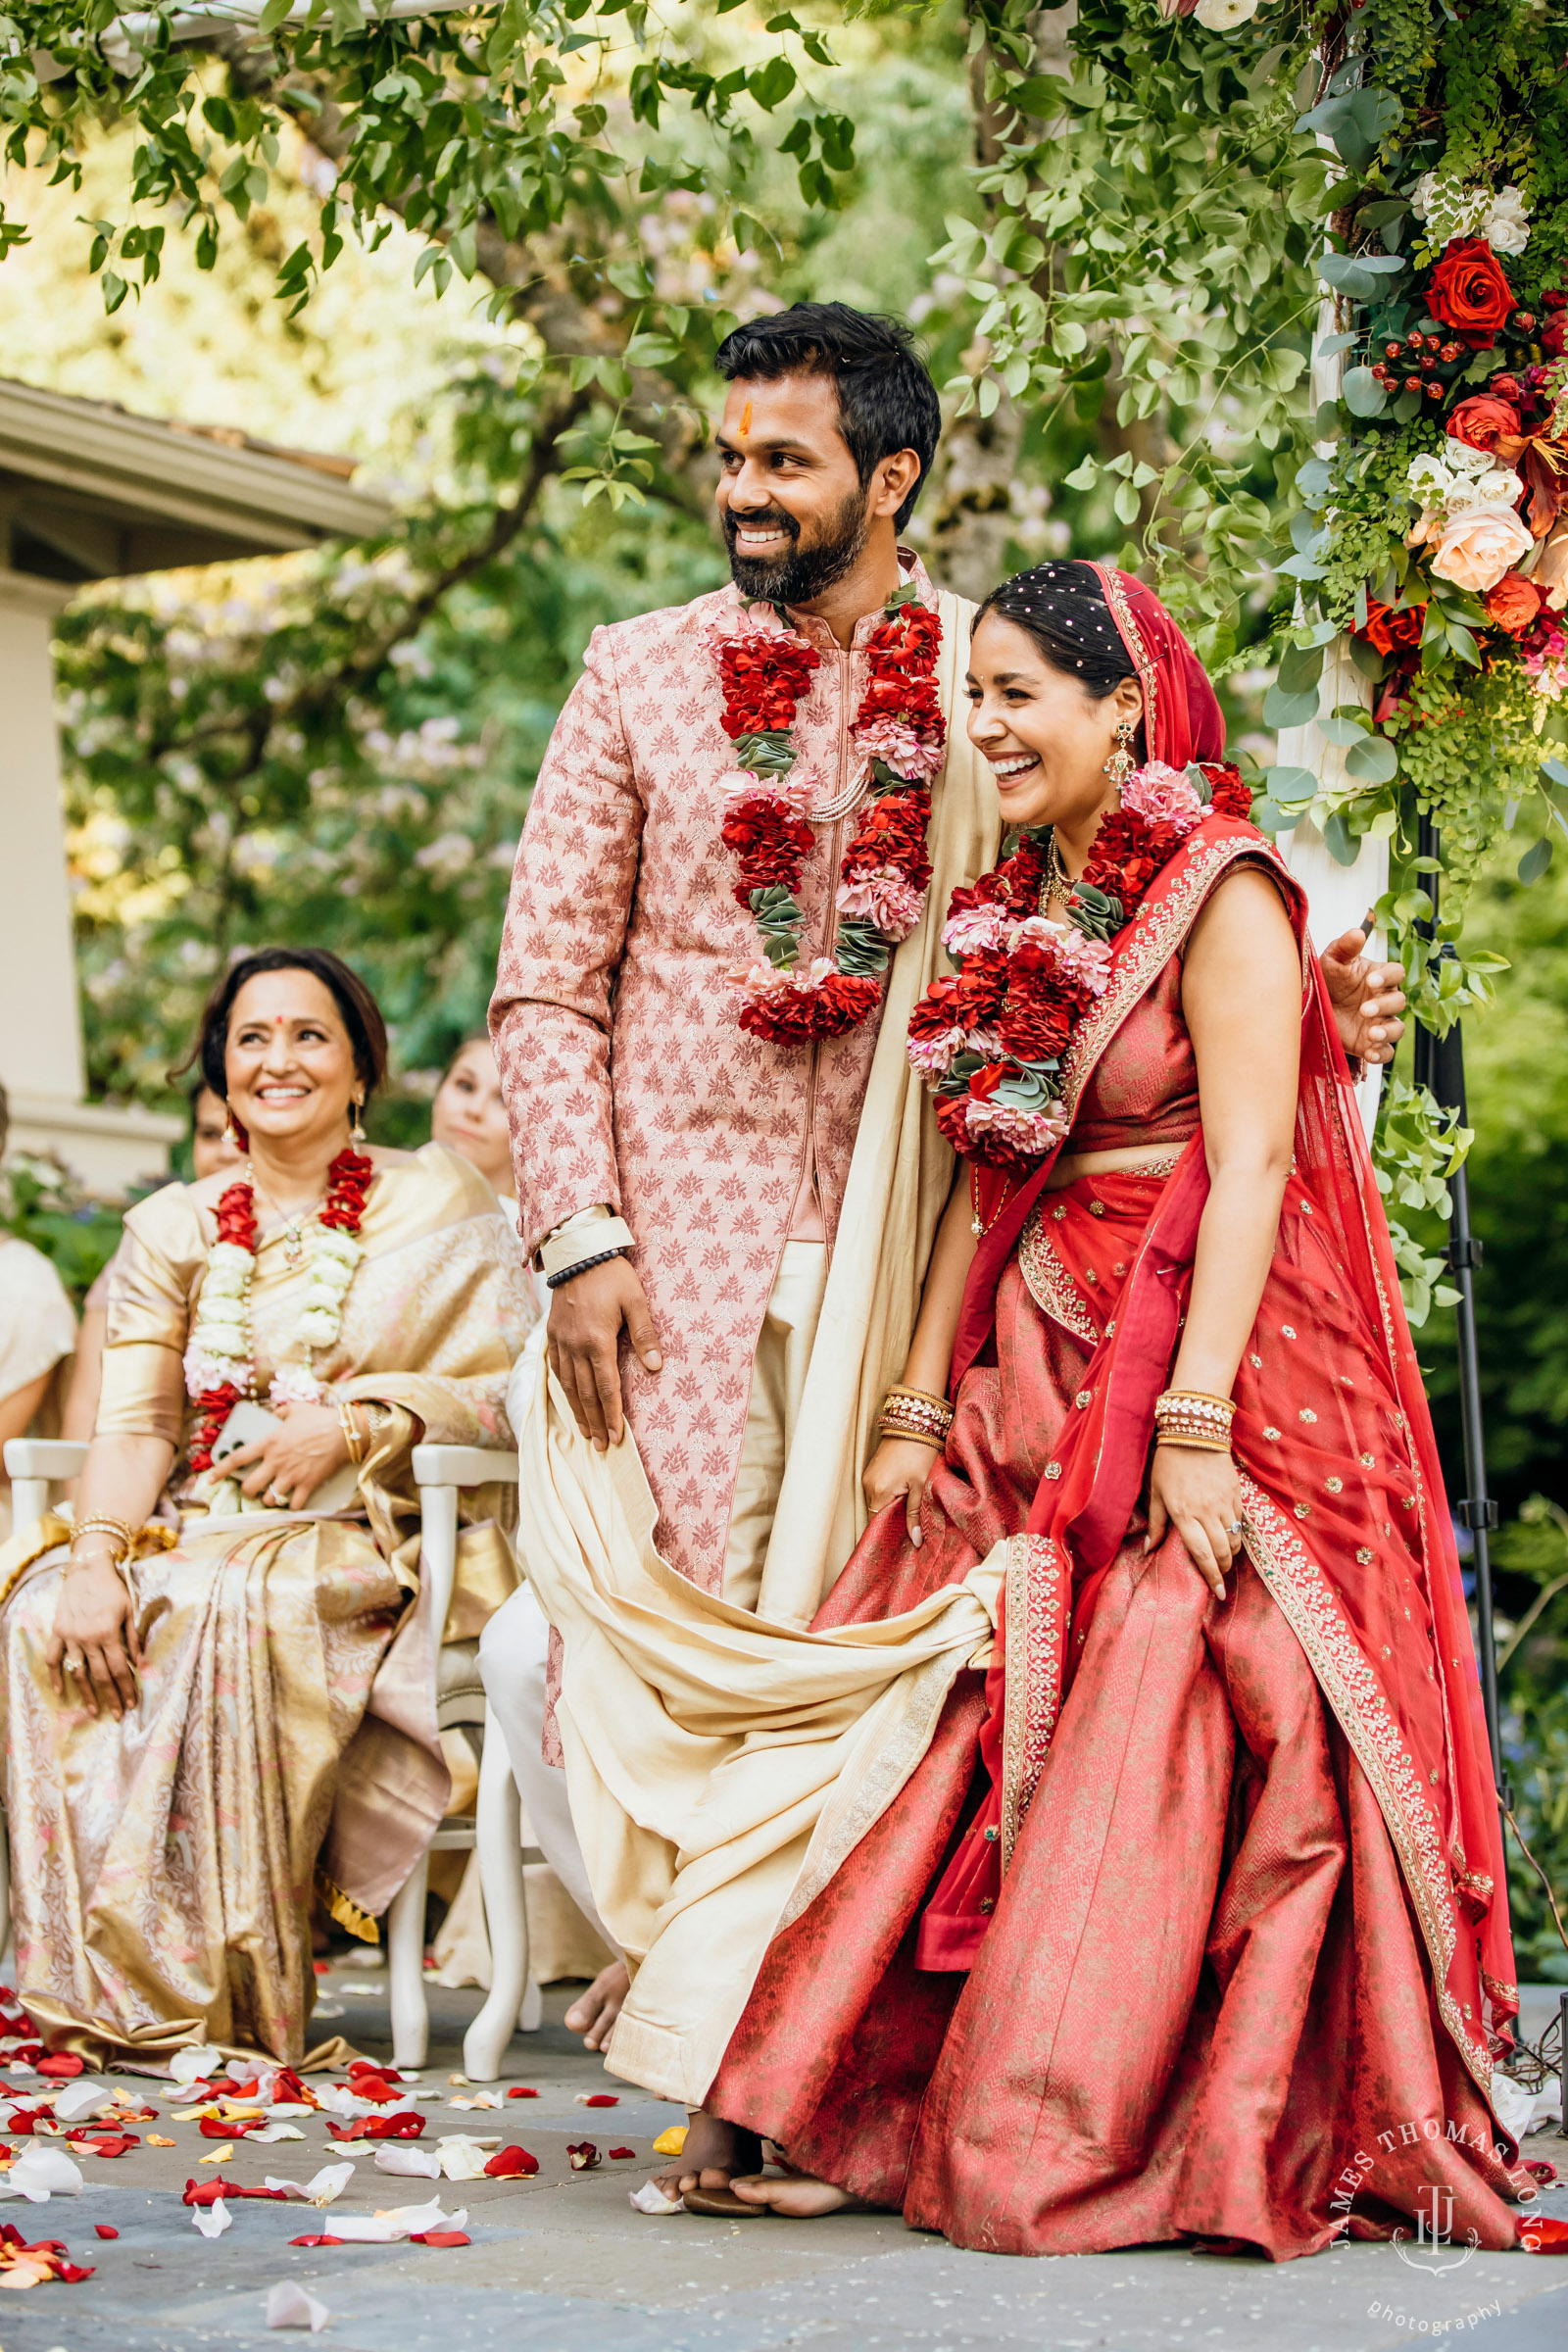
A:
(440, 1472)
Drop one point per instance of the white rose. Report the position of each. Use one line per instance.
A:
(332, 1241)
(1223, 16)
(224, 1258)
(319, 1329)
(1479, 545)
(1507, 228)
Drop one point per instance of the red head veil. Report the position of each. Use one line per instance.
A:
(1182, 719)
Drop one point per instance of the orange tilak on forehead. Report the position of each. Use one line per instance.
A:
(746, 419)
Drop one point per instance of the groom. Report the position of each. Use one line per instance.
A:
(642, 1117)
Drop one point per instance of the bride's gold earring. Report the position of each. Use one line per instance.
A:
(356, 1130)
(1119, 765)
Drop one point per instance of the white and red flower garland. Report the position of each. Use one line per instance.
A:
(990, 1041)
(220, 1360)
(898, 733)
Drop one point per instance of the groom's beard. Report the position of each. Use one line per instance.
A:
(803, 573)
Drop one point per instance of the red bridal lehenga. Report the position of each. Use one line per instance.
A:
(1189, 1923)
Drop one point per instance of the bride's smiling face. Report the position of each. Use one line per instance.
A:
(1047, 737)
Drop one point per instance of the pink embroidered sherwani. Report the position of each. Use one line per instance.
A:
(628, 1079)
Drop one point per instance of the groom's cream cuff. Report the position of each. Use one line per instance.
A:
(584, 1235)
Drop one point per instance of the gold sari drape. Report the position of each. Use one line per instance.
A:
(162, 1868)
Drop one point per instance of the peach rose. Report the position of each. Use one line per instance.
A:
(1513, 603)
(1478, 545)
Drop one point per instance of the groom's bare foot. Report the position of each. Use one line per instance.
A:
(714, 2152)
(594, 2012)
(793, 2194)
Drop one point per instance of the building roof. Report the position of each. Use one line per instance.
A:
(88, 491)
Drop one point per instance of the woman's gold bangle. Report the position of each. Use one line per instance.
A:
(351, 1437)
(1190, 1441)
(100, 1525)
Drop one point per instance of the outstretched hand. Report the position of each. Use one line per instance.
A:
(1367, 998)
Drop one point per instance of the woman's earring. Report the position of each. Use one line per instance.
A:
(235, 1132)
(1119, 766)
(356, 1130)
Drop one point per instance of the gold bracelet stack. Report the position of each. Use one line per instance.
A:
(101, 1525)
(915, 1413)
(351, 1431)
(1187, 1417)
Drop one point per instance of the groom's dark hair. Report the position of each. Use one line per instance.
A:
(887, 401)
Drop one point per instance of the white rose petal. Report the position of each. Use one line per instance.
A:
(1223, 16)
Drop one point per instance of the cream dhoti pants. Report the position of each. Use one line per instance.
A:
(514, 1649)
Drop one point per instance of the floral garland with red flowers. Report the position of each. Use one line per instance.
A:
(988, 1039)
(220, 1366)
(899, 734)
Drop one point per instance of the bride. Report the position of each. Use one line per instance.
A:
(1187, 1887)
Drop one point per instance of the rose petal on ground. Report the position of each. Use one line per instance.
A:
(597, 2098)
(401, 2221)
(80, 2099)
(614, 2152)
(671, 2142)
(1543, 2235)
(462, 2158)
(413, 2162)
(62, 2066)
(104, 2231)
(511, 2164)
(322, 2189)
(155, 2140)
(41, 2173)
(582, 2155)
(195, 2065)
(212, 2220)
(219, 2155)
(290, 2305)
(518, 2092)
(271, 2132)
(441, 2237)
(651, 2198)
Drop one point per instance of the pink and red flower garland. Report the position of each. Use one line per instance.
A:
(348, 1182)
(899, 734)
(988, 1039)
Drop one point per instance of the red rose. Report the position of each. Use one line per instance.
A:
(770, 845)
(763, 679)
(1391, 628)
(1477, 422)
(913, 701)
(892, 832)
(1553, 337)
(938, 1009)
(953, 1118)
(844, 1001)
(1230, 797)
(1468, 292)
(1036, 1022)
(982, 987)
(909, 637)
(1509, 388)
(1513, 603)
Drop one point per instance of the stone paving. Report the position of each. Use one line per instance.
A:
(560, 2263)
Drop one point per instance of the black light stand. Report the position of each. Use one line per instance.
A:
(1439, 1066)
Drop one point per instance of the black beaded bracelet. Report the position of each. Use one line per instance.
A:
(553, 1282)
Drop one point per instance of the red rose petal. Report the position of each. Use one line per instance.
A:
(601, 2098)
(518, 2092)
(60, 2065)
(583, 2155)
(319, 2241)
(104, 2229)
(437, 2237)
(614, 2152)
(511, 2164)
(1543, 2235)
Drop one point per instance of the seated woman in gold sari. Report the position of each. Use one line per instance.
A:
(220, 1694)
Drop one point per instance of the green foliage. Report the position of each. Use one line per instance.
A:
(41, 1202)
(1533, 1679)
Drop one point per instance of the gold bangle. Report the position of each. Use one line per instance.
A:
(1192, 1442)
(101, 1525)
(352, 1438)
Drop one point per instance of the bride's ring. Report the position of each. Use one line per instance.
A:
(1234, 1530)
(276, 1498)
(72, 1664)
